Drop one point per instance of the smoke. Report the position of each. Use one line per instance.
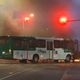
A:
(43, 9)
(75, 8)
(9, 10)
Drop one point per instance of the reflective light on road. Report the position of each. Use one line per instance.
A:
(77, 60)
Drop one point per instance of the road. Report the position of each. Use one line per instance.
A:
(57, 71)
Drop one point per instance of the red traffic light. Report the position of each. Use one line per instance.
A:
(63, 20)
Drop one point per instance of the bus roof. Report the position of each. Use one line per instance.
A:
(17, 37)
(49, 38)
(29, 37)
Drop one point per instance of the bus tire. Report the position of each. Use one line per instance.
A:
(35, 58)
(68, 58)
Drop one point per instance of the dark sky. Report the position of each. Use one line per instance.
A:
(42, 24)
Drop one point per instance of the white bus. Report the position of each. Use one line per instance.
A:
(35, 48)
(43, 49)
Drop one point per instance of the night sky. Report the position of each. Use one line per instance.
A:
(42, 24)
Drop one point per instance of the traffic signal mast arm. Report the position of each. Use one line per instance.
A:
(64, 20)
(73, 20)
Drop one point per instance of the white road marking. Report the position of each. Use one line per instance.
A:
(30, 69)
(11, 72)
(65, 74)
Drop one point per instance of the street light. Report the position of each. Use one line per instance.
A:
(31, 15)
(26, 19)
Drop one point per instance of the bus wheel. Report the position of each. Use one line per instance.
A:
(68, 58)
(35, 58)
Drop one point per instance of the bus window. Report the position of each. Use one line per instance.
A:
(29, 44)
(18, 43)
(32, 44)
(40, 43)
(3, 41)
(49, 45)
(58, 44)
(68, 44)
(24, 44)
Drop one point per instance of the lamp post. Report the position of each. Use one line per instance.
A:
(26, 19)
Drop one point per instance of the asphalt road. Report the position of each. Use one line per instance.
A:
(59, 71)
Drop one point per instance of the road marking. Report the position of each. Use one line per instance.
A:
(11, 72)
(31, 69)
(10, 75)
(65, 74)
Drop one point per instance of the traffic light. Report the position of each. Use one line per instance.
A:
(63, 20)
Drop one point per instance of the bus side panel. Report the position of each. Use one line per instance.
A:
(47, 55)
(19, 54)
(42, 55)
(30, 54)
(60, 54)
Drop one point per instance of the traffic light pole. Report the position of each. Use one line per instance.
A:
(73, 20)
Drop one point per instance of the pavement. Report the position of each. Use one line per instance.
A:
(56, 71)
(10, 61)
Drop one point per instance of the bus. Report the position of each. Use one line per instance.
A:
(35, 48)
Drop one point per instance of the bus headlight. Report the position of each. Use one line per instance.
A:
(3, 52)
(9, 50)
